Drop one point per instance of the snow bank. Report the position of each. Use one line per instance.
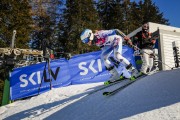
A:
(153, 97)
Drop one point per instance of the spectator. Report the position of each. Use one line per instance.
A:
(144, 41)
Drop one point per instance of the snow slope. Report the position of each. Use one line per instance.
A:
(155, 97)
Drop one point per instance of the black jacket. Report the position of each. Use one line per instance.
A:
(143, 40)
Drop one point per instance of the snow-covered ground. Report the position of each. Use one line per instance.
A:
(155, 97)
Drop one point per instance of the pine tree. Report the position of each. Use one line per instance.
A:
(135, 16)
(15, 15)
(111, 13)
(126, 15)
(149, 12)
(126, 6)
(46, 16)
(104, 8)
(78, 15)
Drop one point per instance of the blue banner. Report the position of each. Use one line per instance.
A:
(80, 69)
(35, 79)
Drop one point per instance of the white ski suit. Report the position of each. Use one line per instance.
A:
(110, 42)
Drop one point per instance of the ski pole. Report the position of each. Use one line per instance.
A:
(165, 64)
(154, 56)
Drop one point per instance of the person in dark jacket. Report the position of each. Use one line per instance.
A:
(144, 41)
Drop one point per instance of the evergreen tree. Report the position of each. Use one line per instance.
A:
(135, 16)
(15, 15)
(104, 8)
(46, 15)
(78, 15)
(41, 35)
(126, 6)
(126, 15)
(149, 12)
(111, 13)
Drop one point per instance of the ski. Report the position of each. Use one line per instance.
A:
(108, 93)
(111, 82)
(106, 86)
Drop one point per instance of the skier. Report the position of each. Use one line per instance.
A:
(109, 41)
(144, 41)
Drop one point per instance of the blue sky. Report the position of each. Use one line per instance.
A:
(170, 9)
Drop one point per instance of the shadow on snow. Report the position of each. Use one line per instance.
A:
(150, 93)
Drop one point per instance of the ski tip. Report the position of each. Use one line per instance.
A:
(106, 93)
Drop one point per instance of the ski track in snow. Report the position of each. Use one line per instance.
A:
(154, 97)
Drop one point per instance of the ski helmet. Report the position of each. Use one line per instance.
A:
(86, 35)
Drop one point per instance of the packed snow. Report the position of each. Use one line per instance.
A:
(155, 97)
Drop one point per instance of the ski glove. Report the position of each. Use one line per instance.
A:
(128, 40)
(153, 41)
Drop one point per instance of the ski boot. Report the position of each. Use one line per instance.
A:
(134, 72)
(141, 73)
(132, 78)
(114, 76)
(119, 79)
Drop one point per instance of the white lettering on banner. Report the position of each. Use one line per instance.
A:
(39, 77)
(85, 70)
(23, 80)
(35, 77)
(31, 80)
(99, 65)
(91, 66)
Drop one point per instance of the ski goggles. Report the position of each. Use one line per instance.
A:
(86, 40)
